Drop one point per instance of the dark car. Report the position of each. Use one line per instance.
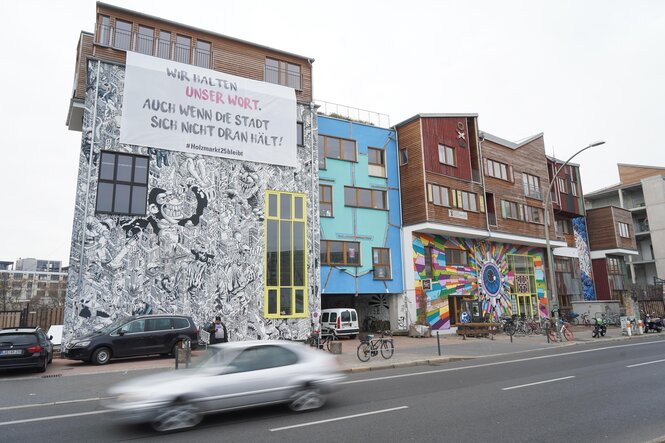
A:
(25, 348)
(133, 336)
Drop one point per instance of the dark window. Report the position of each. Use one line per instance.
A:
(183, 47)
(282, 73)
(345, 253)
(104, 30)
(403, 157)
(164, 45)
(365, 198)
(145, 40)
(158, 324)
(134, 327)
(263, 357)
(428, 261)
(202, 54)
(123, 35)
(324, 317)
(376, 162)
(456, 257)
(299, 134)
(381, 263)
(337, 148)
(325, 201)
(123, 184)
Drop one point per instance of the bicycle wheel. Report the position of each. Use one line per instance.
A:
(331, 339)
(363, 352)
(568, 334)
(552, 334)
(387, 349)
(510, 329)
(574, 321)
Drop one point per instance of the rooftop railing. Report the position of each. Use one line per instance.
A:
(364, 116)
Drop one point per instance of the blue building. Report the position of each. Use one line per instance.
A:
(360, 219)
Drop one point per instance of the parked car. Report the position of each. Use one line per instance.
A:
(25, 348)
(340, 321)
(133, 336)
(234, 376)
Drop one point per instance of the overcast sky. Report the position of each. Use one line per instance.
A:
(579, 71)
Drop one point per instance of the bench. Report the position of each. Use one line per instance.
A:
(477, 330)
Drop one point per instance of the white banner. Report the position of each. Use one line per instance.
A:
(171, 105)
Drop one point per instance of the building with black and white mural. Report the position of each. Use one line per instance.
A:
(176, 231)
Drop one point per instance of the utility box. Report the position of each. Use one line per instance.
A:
(183, 353)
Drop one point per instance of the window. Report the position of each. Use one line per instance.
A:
(134, 327)
(282, 73)
(563, 185)
(337, 148)
(564, 226)
(158, 324)
(202, 54)
(325, 201)
(123, 35)
(531, 185)
(573, 188)
(446, 155)
(123, 184)
(381, 263)
(456, 257)
(344, 253)
(465, 200)
(428, 262)
(365, 198)
(144, 40)
(498, 170)
(533, 214)
(299, 134)
(183, 46)
(376, 162)
(104, 30)
(403, 157)
(286, 260)
(438, 195)
(164, 45)
(623, 230)
(511, 210)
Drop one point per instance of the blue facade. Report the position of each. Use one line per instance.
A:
(371, 228)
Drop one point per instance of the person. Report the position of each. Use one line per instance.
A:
(218, 332)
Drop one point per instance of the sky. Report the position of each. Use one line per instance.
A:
(578, 71)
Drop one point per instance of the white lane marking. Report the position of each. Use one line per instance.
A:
(499, 363)
(537, 383)
(52, 417)
(54, 403)
(318, 422)
(645, 363)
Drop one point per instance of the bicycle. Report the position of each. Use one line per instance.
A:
(586, 321)
(565, 331)
(370, 347)
(327, 337)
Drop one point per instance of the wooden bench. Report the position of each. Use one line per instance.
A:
(477, 330)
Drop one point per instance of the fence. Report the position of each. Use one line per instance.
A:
(42, 317)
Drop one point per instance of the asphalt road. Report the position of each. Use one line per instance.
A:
(604, 392)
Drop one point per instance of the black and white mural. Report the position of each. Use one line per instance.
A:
(199, 250)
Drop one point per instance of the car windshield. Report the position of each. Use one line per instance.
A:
(113, 326)
(18, 339)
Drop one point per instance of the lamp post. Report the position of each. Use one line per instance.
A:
(550, 260)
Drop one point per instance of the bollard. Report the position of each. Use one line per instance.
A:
(438, 342)
(183, 351)
(640, 327)
(629, 329)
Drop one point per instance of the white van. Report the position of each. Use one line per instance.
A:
(343, 322)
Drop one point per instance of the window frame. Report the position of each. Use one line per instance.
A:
(122, 32)
(202, 54)
(434, 189)
(139, 43)
(447, 151)
(177, 45)
(376, 169)
(403, 157)
(491, 167)
(300, 134)
(372, 192)
(324, 142)
(519, 216)
(529, 211)
(454, 257)
(274, 287)
(381, 263)
(345, 261)
(115, 182)
(531, 186)
(323, 201)
(459, 200)
(623, 228)
(283, 73)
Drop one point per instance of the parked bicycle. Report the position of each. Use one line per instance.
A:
(564, 330)
(370, 347)
(327, 337)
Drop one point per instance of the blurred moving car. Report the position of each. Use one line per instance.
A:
(132, 336)
(233, 376)
(25, 348)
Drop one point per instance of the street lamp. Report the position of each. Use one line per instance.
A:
(550, 260)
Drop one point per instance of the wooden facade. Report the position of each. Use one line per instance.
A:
(412, 174)
(229, 55)
(604, 230)
(629, 174)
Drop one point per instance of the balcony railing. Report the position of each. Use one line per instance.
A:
(641, 227)
(533, 192)
(150, 45)
(285, 77)
(354, 114)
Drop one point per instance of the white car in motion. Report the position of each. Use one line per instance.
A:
(233, 376)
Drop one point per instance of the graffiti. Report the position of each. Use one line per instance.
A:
(199, 248)
(586, 269)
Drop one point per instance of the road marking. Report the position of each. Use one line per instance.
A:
(318, 422)
(499, 363)
(537, 383)
(645, 363)
(52, 417)
(54, 403)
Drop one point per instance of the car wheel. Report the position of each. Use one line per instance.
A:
(43, 366)
(307, 398)
(353, 336)
(101, 356)
(176, 416)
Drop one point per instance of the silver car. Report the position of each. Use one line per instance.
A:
(234, 375)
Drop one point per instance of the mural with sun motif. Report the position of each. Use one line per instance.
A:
(477, 270)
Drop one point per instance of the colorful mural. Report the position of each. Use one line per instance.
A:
(586, 269)
(486, 277)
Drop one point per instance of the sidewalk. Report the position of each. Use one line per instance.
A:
(408, 352)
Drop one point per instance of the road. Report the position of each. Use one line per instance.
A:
(609, 392)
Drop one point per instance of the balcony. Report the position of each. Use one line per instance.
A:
(642, 227)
